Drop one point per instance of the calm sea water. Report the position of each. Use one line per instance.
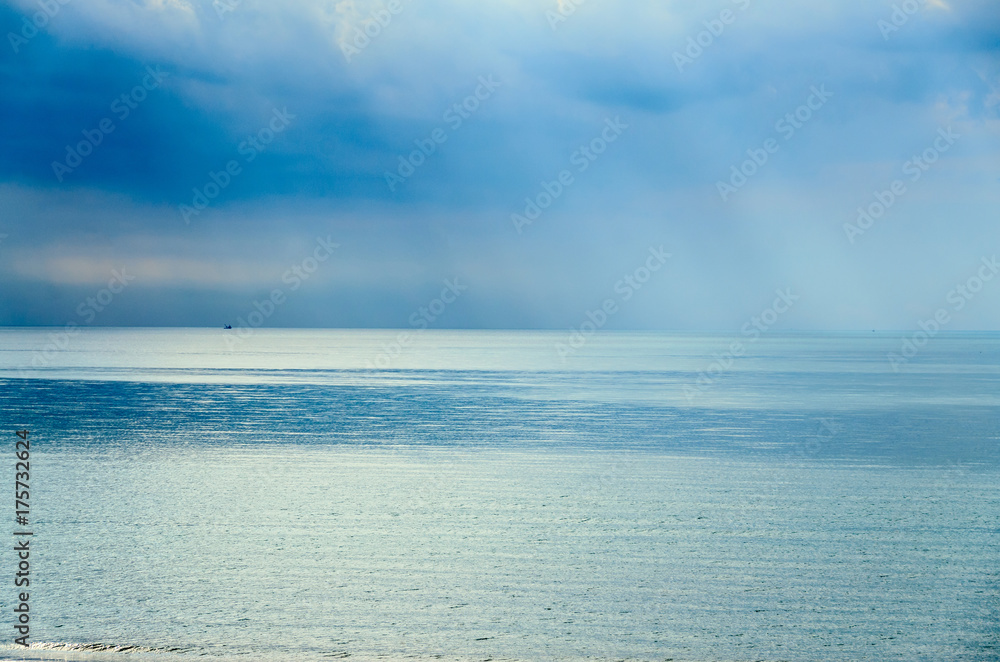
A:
(309, 495)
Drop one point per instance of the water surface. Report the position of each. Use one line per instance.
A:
(307, 495)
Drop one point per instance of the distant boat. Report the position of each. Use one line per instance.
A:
(227, 326)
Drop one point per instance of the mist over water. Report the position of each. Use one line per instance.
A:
(317, 494)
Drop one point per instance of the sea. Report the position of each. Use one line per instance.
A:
(308, 495)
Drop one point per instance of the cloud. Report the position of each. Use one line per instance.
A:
(355, 120)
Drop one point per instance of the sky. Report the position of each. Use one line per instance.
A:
(540, 164)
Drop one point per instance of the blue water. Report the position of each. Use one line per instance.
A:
(307, 495)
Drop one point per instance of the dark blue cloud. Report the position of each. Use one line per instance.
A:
(354, 121)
